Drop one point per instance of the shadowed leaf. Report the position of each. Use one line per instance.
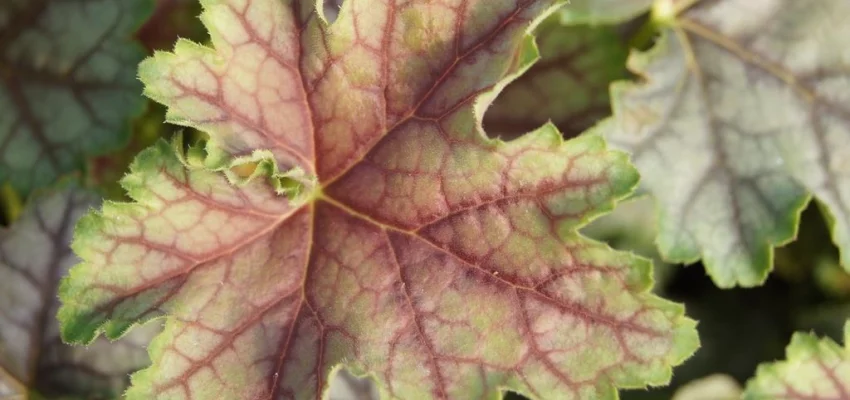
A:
(67, 84)
(34, 255)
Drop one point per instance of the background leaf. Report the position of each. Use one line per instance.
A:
(735, 121)
(741, 328)
(67, 84)
(34, 255)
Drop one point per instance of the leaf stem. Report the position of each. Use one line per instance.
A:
(645, 35)
(11, 204)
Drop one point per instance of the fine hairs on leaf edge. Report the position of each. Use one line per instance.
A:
(168, 155)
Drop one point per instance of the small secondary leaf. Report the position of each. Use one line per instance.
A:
(34, 255)
(815, 369)
(569, 85)
(444, 263)
(67, 84)
(743, 109)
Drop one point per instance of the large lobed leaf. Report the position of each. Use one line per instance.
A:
(815, 369)
(67, 84)
(443, 263)
(742, 113)
(34, 255)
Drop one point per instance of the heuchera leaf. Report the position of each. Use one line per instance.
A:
(417, 250)
(34, 255)
(67, 84)
(569, 85)
(815, 369)
(743, 112)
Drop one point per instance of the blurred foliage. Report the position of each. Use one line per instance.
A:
(68, 87)
(741, 328)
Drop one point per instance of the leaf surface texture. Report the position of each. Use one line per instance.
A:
(444, 263)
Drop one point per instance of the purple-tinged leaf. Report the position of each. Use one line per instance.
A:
(444, 263)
